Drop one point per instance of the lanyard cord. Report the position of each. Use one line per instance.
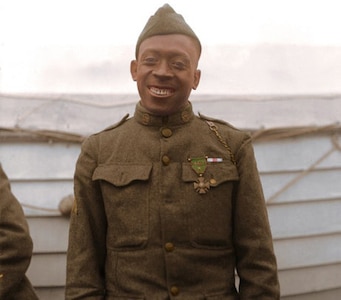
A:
(214, 128)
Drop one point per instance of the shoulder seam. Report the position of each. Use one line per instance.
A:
(206, 118)
(119, 123)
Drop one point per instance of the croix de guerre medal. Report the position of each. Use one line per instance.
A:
(199, 166)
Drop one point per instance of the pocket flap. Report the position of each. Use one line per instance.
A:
(122, 174)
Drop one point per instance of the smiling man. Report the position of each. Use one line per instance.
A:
(168, 204)
(166, 72)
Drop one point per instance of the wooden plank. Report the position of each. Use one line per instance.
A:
(308, 251)
(258, 111)
(42, 194)
(33, 160)
(47, 270)
(287, 221)
(333, 294)
(27, 161)
(57, 293)
(304, 218)
(301, 219)
(310, 280)
(293, 281)
(296, 154)
(68, 112)
(314, 185)
(296, 253)
(49, 234)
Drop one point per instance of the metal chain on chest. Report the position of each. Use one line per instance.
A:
(214, 128)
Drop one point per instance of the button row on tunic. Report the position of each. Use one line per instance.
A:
(165, 160)
(166, 132)
(174, 290)
(169, 247)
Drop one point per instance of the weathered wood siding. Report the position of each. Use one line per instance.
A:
(41, 175)
(301, 176)
(304, 217)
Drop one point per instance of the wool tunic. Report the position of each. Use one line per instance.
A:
(15, 246)
(148, 224)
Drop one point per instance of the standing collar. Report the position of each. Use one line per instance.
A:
(144, 117)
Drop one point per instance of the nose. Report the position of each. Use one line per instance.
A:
(162, 69)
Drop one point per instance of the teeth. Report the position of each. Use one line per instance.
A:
(161, 92)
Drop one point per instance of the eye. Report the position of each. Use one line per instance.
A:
(149, 60)
(180, 65)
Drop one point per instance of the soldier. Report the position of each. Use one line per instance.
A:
(15, 246)
(169, 205)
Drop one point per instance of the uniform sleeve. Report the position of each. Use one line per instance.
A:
(87, 233)
(15, 242)
(256, 262)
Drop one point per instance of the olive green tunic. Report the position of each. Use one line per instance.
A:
(144, 228)
(15, 246)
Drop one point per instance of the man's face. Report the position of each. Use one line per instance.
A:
(166, 72)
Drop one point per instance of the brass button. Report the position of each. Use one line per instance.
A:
(165, 160)
(145, 119)
(185, 115)
(213, 182)
(169, 247)
(166, 132)
(174, 290)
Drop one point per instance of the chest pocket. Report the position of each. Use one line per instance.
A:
(125, 193)
(210, 213)
(218, 172)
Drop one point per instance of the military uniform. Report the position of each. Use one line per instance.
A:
(15, 247)
(169, 208)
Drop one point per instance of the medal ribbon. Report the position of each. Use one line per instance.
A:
(199, 165)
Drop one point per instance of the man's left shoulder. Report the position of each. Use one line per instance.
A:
(219, 123)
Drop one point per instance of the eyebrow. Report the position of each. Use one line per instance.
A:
(171, 54)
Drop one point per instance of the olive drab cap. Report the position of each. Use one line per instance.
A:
(165, 21)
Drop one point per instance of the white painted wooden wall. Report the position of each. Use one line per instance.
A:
(305, 218)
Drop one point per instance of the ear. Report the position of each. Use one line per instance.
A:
(196, 80)
(133, 69)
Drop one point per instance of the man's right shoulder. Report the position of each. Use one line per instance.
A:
(94, 137)
(114, 126)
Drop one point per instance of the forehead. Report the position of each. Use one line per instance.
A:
(171, 43)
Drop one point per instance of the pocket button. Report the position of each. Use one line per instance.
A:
(169, 247)
(165, 160)
(174, 290)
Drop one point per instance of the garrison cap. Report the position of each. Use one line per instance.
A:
(165, 21)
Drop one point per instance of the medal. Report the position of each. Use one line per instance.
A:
(201, 185)
(199, 166)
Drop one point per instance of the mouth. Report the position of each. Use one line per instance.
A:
(161, 92)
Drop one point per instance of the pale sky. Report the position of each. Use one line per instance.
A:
(42, 41)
